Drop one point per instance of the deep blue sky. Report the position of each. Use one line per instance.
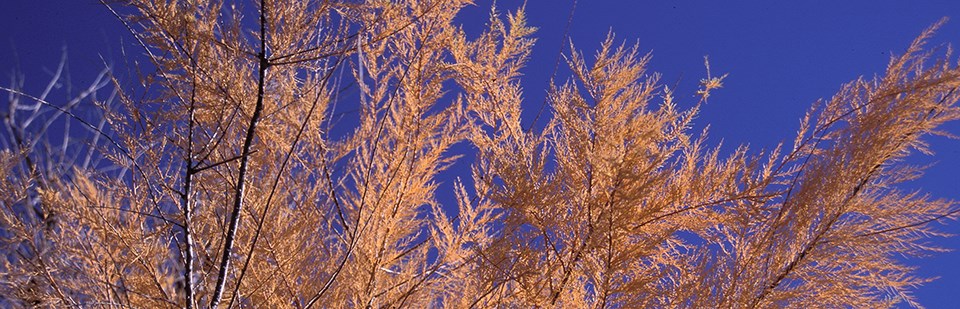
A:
(781, 56)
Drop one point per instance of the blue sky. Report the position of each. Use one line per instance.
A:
(781, 57)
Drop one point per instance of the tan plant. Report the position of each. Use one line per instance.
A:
(239, 180)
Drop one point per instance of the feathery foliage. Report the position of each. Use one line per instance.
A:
(230, 175)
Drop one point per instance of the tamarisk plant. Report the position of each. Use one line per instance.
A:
(232, 176)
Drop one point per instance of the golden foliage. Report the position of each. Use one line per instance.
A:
(237, 184)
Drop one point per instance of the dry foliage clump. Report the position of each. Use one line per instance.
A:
(231, 177)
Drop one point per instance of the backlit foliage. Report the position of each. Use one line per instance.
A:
(231, 176)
